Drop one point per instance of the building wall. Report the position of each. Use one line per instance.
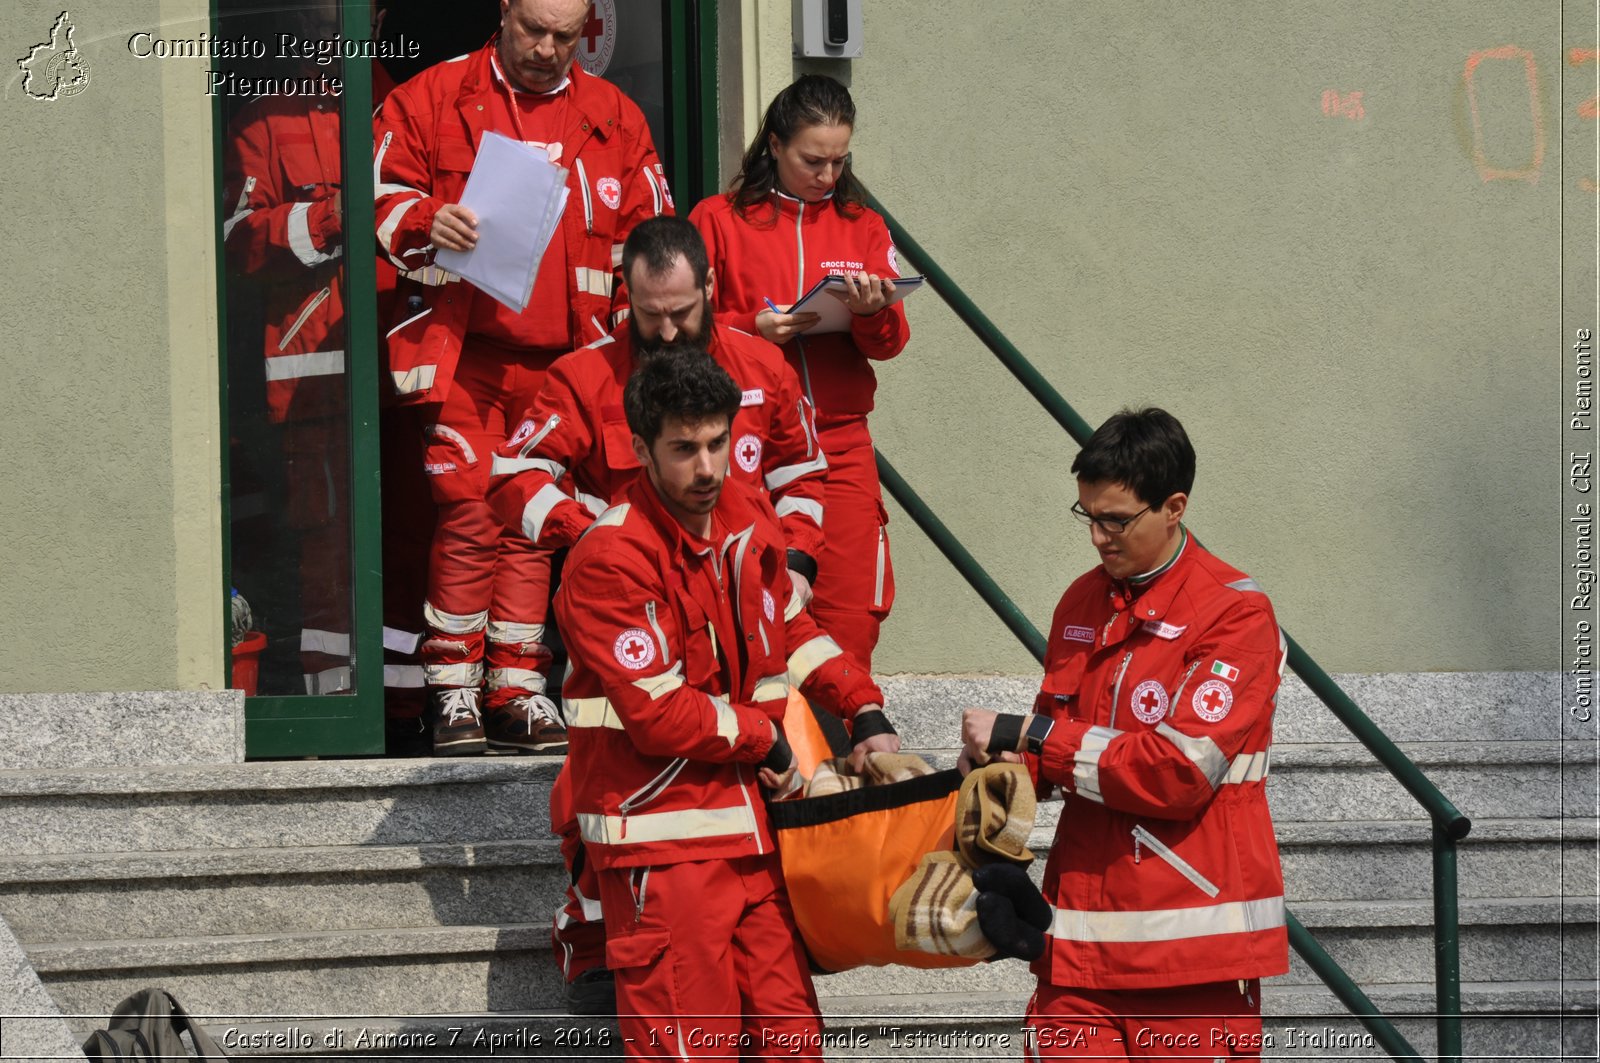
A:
(1327, 237)
(110, 500)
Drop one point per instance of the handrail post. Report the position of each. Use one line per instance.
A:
(1446, 944)
(1350, 995)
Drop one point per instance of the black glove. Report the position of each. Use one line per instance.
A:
(1012, 913)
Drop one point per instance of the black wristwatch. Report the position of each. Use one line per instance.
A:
(1038, 730)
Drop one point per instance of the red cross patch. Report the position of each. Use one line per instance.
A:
(634, 649)
(1212, 700)
(610, 190)
(597, 41)
(747, 452)
(1149, 701)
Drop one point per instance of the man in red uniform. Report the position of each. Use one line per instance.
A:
(576, 436)
(1155, 719)
(674, 607)
(477, 364)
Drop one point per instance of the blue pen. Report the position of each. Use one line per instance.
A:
(772, 306)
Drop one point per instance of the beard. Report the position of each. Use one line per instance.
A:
(684, 341)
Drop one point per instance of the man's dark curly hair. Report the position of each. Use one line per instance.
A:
(1145, 450)
(687, 384)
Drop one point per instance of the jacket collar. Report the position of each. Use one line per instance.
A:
(1156, 595)
(590, 112)
(735, 514)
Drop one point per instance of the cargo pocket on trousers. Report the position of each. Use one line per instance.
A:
(644, 972)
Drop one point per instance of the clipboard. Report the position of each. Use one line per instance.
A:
(835, 315)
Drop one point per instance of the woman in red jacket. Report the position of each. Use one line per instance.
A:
(794, 215)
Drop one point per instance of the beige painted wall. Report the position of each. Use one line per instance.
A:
(1159, 204)
(109, 506)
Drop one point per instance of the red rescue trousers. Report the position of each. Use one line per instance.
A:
(578, 936)
(483, 578)
(708, 962)
(855, 579)
(1215, 1021)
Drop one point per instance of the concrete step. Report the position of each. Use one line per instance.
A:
(277, 804)
(509, 966)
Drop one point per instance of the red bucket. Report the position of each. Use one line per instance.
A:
(247, 661)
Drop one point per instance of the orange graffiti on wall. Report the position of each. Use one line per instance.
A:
(1487, 170)
(1589, 108)
(1347, 106)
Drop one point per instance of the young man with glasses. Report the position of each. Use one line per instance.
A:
(1154, 718)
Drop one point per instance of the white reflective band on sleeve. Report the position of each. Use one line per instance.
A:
(772, 687)
(454, 675)
(782, 477)
(665, 683)
(727, 720)
(1202, 752)
(794, 608)
(590, 712)
(300, 238)
(331, 681)
(391, 223)
(665, 826)
(616, 256)
(454, 623)
(332, 643)
(811, 656)
(593, 281)
(446, 432)
(521, 678)
(379, 191)
(1249, 767)
(404, 676)
(1173, 924)
(227, 226)
(501, 466)
(1086, 762)
(1246, 584)
(401, 641)
(593, 503)
(298, 366)
(537, 511)
(418, 379)
(614, 515)
(810, 507)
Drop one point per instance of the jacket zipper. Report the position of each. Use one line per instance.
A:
(588, 206)
(1183, 683)
(1179, 864)
(1116, 690)
(648, 792)
(650, 614)
(877, 584)
(321, 298)
(800, 290)
(1105, 632)
(639, 889)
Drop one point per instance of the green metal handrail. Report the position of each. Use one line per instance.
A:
(1449, 825)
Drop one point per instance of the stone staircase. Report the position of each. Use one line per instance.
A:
(368, 906)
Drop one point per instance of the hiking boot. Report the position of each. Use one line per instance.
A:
(528, 723)
(594, 992)
(457, 727)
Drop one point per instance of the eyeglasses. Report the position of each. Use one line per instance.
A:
(1109, 525)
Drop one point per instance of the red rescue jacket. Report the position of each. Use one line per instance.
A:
(426, 138)
(577, 427)
(682, 660)
(1164, 870)
(778, 253)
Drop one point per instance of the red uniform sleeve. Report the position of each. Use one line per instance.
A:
(793, 466)
(402, 135)
(704, 218)
(823, 671)
(884, 334)
(605, 600)
(646, 196)
(268, 228)
(1218, 728)
(530, 482)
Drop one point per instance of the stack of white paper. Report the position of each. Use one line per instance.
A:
(518, 195)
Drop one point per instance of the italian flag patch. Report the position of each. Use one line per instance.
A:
(1225, 670)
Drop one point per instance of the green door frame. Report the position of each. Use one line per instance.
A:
(352, 725)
